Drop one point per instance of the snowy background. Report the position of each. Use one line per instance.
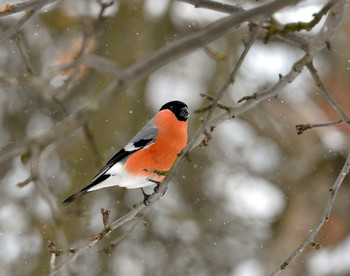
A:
(239, 208)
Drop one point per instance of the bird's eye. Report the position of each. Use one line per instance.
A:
(171, 107)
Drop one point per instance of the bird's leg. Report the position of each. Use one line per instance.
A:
(156, 188)
(145, 197)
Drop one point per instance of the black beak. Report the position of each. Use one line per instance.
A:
(184, 113)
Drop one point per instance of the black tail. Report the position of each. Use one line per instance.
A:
(75, 196)
(85, 190)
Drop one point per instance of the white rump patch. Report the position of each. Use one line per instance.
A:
(120, 177)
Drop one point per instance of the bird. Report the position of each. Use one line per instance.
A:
(154, 147)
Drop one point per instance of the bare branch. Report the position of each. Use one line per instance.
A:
(333, 17)
(23, 49)
(277, 28)
(13, 29)
(302, 128)
(202, 37)
(213, 5)
(318, 43)
(327, 94)
(205, 123)
(122, 237)
(47, 195)
(129, 76)
(106, 231)
(31, 7)
(293, 38)
(309, 240)
(211, 99)
(104, 6)
(136, 222)
(139, 70)
(23, 6)
(168, 176)
(159, 58)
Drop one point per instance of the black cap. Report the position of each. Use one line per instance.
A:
(180, 109)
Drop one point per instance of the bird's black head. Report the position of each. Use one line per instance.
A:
(180, 109)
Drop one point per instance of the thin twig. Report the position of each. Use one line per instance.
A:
(166, 54)
(23, 6)
(213, 5)
(276, 28)
(292, 38)
(335, 13)
(203, 37)
(117, 241)
(23, 49)
(330, 26)
(138, 70)
(47, 195)
(135, 73)
(155, 196)
(230, 80)
(309, 240)
(31, 7)
(103, 7)
(301, 128)
(13, 29)
(327, 94)
(211, 99)
(106, 231)
(136, 222)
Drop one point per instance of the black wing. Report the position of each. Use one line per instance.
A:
(143, 139)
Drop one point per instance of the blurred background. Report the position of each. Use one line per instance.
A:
(238, 207)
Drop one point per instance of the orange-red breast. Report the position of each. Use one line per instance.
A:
(155, 146)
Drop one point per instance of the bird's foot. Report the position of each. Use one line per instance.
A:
(156, 188)
(145, 197)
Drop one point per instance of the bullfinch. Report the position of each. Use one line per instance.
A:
(154, 147)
